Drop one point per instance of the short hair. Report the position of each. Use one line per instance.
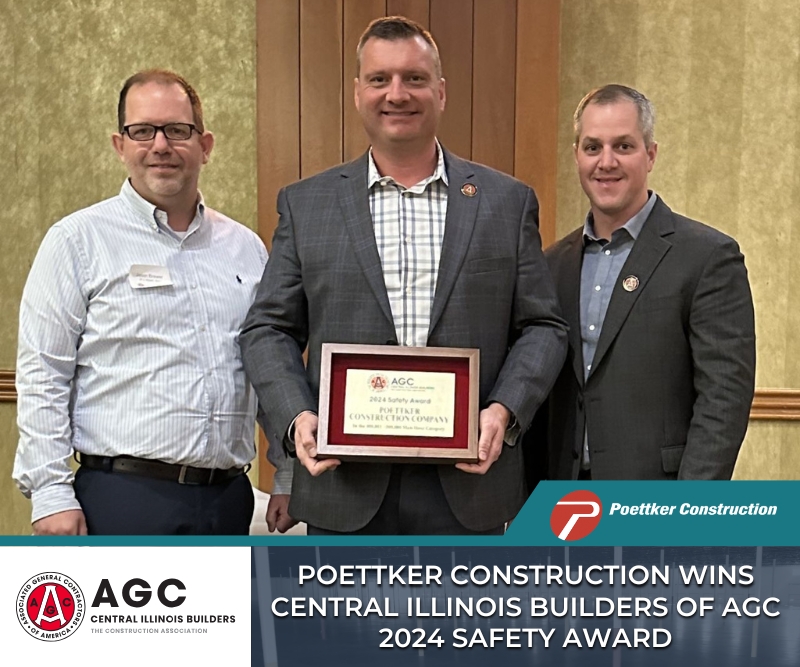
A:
(611, 94)
(394, 28)
(166, 77)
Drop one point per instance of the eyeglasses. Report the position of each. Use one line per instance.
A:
(172, 131)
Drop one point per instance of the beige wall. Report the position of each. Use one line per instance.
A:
(724, 77)
(61, 67)
(16, 512)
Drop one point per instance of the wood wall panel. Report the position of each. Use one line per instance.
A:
(451, 25)
(277, 132)
(536, 112)
(357, 16)
(277, 105)
(494, 80)
(500, 60)
(416, 10)
(320, 85)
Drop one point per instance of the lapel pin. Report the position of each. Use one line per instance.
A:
(469, 190)
(630, 283)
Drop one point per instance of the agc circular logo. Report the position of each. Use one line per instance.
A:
(50, 606)
(378, 382)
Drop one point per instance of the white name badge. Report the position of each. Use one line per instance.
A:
(142, 276)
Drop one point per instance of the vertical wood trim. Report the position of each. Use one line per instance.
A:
(277, 133)
(416, 10)
(451, 26)
(357, 15)
(320, 85)
(537, 85)
(277, 106)
(265, 471)
(494, 79)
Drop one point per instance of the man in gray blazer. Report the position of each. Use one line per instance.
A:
(408, 245)
(661, 364)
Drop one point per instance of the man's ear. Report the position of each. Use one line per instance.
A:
(116, 141)
(207, 144)
(652, 152)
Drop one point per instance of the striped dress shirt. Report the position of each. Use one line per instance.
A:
(110, 370)
(409, 231)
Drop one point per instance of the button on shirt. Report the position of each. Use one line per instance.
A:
(602, 263)
(155, 372)
(409, 231)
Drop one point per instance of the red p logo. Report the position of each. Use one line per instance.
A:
(576, 515)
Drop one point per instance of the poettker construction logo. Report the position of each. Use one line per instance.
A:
(576, 515)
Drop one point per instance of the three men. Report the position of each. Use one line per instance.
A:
(661, 365)
(128, 351)
(408, 245)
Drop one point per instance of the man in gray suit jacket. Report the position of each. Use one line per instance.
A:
(408, 245)
(661, 364)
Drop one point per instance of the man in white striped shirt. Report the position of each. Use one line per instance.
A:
(128, 343)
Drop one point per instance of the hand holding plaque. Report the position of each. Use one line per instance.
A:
(493, 422)
(305, 442)
(398, 403)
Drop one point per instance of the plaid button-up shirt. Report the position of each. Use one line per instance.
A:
(409, 230)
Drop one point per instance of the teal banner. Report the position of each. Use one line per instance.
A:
(659, 514)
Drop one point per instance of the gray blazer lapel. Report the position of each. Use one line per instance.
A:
(569, 287)
(459, 223)
(647, 253)
(354, 200)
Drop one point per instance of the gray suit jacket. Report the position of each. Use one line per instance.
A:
(324, 283)
(673, 376)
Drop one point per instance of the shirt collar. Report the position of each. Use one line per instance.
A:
(154, 216)
(633, 226)
(373, 175)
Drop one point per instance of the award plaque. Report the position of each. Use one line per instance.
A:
(402, 404)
